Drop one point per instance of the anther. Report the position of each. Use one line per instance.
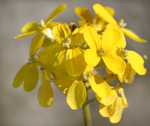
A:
(145, 57)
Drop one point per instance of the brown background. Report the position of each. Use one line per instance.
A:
(18, 108)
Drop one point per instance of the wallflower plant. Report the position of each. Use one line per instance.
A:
(70, 57)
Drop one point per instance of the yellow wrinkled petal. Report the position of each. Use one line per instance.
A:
(114, 63)
(118, 108)
(108, 101)
(129, 73)
(132, 35)
(30, 27)
(24, 35)
(124, 100)
(56, 12)
(103, 13)
(75, 63)
(20, 76)
(110, 77)
(32, 78)
(136, 62)
(92, 38)
(37, 42)
(76, 95)
(103, 110)
(91, 57)
(99, 86)
(84, 14)
(61, 32)
(45, 94)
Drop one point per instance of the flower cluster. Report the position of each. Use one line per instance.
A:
(69, 56)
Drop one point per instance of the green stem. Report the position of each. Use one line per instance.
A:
(117, 88)
(89, 101)
(86, 114)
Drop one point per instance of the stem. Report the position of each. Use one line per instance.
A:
(86, 114)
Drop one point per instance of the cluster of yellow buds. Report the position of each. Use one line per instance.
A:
(69, 56)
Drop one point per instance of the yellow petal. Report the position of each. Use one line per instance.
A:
(20, 76)
(103, 14)
(124, 100)
(129, 73)
(114, 63)
(81, 22)
(122, 42)
(75, 63)
(61, 32)
(52, 24)
(132, 35)
(32, 78)
(47, 42)
(61, 72)
(56, 12)
(63, 84)
(110, 43)
(108, 101)
(115, 118)
(76, 37)
(52, 56)
(103, 110)
(92, 38)
(45, 76)
(62, 80)
(30, 27)
(24, 35)
(120, 77)
(110, 77)
(84, 14)
(45, 94)
(110, 10)
(91, 57)
(76, 95)
(37, 42)
(136, 62)
(99, 86)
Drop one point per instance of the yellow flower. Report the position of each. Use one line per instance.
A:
(85, 15)
(112, 107)
(65, 47)
(40, 27)
(107, 17)
(103, 49)
(73, 87)
(135, 65)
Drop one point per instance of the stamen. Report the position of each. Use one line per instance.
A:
(121, 23)
(102, 52)
(41, 24)
(67, 43)
(145, 57)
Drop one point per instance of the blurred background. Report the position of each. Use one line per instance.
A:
(19, 108)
